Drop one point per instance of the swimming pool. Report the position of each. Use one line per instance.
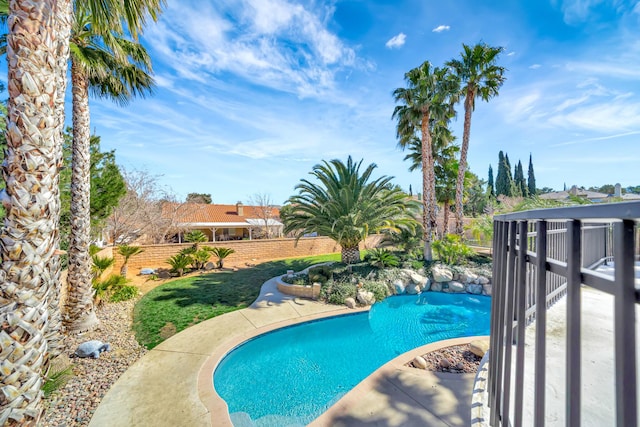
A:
(290, 376)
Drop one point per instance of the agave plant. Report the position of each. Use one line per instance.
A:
(221, 253)
(127, 252)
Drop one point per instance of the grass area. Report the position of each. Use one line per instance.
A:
(176, 305)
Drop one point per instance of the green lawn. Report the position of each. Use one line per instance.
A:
(179, 304)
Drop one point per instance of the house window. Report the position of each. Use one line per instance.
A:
(232, 232)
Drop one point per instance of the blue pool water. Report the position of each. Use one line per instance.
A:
(290, 376)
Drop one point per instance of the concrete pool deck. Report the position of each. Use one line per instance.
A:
(172, 384)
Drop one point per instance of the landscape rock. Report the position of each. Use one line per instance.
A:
(468, 277)
(456, 287)
(399, 286)
(483, 280)
(92, 349)
(350, 303)
(436, 287)
(146, 271)
(413, 289)
(418, 279)
(427, 285)
(486, 289)
(365, 297)
(441, 274)
(444, 363)
(474, 289)
(419, 362)
(479, 347)
(209, 266)
(164, 274)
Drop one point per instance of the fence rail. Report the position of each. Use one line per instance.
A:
(541, 256)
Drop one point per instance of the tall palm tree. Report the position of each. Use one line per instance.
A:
(480, 77)
(29, 237)
(111, 66)
(347, 206)
(430, 94)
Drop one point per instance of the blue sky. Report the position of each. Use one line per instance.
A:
(252, 93)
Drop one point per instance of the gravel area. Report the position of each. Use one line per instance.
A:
(456, 359)
(75, 403)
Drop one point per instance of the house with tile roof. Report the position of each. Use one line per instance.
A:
(227, 222)
(592, 196)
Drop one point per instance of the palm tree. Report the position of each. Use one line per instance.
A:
(430, 94)
(347, 206)
(221, 254)
(113, 67)
(29, 234)
(127, 252)
(480, 76)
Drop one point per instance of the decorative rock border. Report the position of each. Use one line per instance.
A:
(444, 279)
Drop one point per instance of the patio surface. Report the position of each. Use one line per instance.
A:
(172, 384)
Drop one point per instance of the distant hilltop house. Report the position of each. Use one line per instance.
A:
(592, 196)
(225, 222)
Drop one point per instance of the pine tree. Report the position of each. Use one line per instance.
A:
(490, 188)
(531, 179)
(410, 190)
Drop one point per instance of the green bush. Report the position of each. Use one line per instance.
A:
(296, 279)
(382, 258)
(123, 293)
(380, 290)
(338, 292)
(450, 250)
(320, 274)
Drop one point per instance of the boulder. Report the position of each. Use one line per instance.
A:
(483, 280)
(418, 279)
(474, 289)
(350, 303)
(399, 287)
(436, 287)
(146, 271)
(456, 287)
(365, 297)
(209, 266)
(441, 273)
(479, 347)
(486, 290)
(413, 289)
(419, 362)
(467, 277)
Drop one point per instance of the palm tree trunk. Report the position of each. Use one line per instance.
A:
(428, 189)
(64, 18)
(445, 220)
(80, 315)
(462, 168)
(29, 236)
(350, 255)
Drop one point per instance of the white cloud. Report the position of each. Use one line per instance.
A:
(535, 66)
(396, 41)
(441, 28)
(272, 43)
(511, 53)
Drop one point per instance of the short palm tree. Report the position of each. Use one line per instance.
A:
(221, 254)
(429, 95)
(347, 205)
(114, 67)
(480, 77)
(127, 252)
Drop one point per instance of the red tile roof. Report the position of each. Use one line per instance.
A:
(203, 213)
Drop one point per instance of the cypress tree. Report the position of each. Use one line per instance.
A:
(490, 188)
(531, 179)
(520, 182)
(504, 180)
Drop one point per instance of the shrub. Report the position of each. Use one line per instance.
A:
(114, 289)
(221, 253)
(195, 236)
(338, 292)
(382, 258)
(296, 279)
(380, 290)
(100, 265)
(320, 274)
(450, 250)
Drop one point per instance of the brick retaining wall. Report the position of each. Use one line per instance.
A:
(252, 251)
